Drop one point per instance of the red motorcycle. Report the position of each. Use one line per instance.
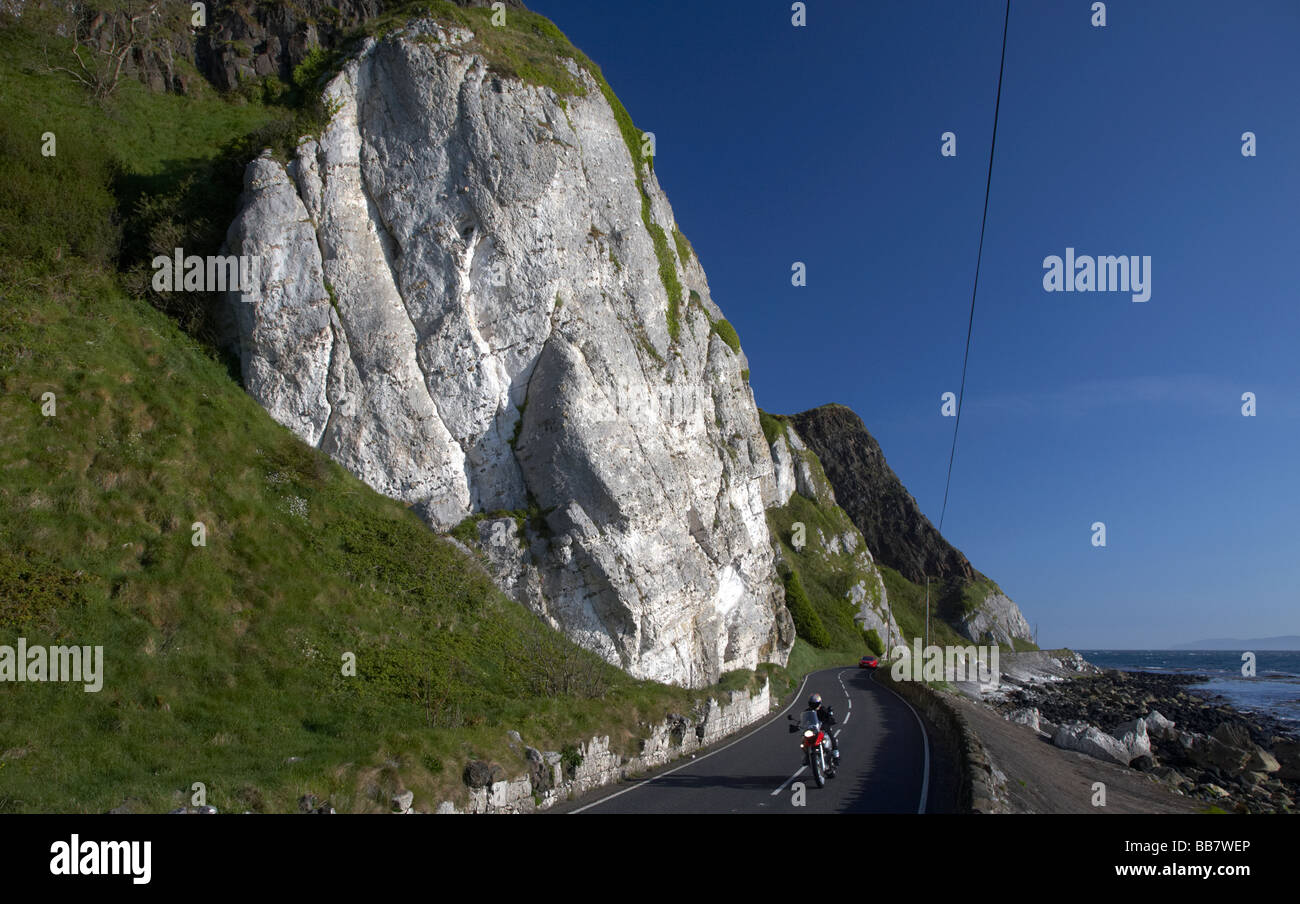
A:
(816, 746)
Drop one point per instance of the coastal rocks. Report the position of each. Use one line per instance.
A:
(1287, 752)
(459, 296)
(1028, 717)
(1159, 727)
(1210, 752)
(1200, 749)
(1092, 741)
(1261, 761)
(1133, 735)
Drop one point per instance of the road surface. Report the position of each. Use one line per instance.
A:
(885, 764)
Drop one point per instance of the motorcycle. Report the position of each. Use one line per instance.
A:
(816, 745)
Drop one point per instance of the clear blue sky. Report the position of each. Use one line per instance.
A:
(821, 145)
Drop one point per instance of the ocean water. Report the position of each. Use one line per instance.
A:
(1275, 689)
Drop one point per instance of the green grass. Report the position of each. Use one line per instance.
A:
(818, 581)
(874, 643)
(529, 47)
(773, 425)
(727, 333)
(667, 267)
(223, 661)
(683, 246)
(807, 622)
(907, 600)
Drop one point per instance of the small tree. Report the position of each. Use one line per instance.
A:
(112, 35)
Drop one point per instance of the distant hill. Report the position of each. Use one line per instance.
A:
(1283, 642)
(900, 536)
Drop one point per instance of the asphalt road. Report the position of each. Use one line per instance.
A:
(885, 762)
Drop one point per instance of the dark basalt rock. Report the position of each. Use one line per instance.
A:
(867, 488)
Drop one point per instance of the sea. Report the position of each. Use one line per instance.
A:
(1274, 690)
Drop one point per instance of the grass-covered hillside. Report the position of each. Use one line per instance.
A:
(123, 431)
(820, 573)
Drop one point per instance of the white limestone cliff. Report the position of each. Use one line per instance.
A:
(458, 299)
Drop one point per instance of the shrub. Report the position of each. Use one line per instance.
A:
(807, 623)
(727, 333)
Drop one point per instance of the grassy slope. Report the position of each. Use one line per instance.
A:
(223, 661)
(906, 599)
(827, 578)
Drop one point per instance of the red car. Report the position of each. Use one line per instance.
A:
(868, 662)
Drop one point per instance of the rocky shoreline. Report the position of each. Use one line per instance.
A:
(1199, 747)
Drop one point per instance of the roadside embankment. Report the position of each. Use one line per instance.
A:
(555, 776)
(975, 775)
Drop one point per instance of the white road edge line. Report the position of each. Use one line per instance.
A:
(692, 762)
(925, 783)
(789, 780)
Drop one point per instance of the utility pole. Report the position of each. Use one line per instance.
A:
(927, 611)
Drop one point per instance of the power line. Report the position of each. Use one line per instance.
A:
(988, 184)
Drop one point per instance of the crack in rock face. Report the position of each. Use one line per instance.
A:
(458, 299)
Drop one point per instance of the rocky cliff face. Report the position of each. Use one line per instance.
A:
(247, 40)
(895, 529)
(464, 294)
(871, 493)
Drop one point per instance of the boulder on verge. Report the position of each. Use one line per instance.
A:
(1159, 727)
(1133, 735)
(1028, 717)
(1233, 734)
(1091, 740)
(1260, 760)
(1209, 752)
(1287, 753)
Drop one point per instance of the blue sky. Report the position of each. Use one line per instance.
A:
(821, 144)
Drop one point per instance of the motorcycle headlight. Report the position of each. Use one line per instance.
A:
(808, 734)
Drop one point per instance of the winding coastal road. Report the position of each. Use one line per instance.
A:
(885, 764)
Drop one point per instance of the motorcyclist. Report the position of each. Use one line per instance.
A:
(827, 718)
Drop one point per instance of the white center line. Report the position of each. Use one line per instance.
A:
(772, 720)
(789, 780)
